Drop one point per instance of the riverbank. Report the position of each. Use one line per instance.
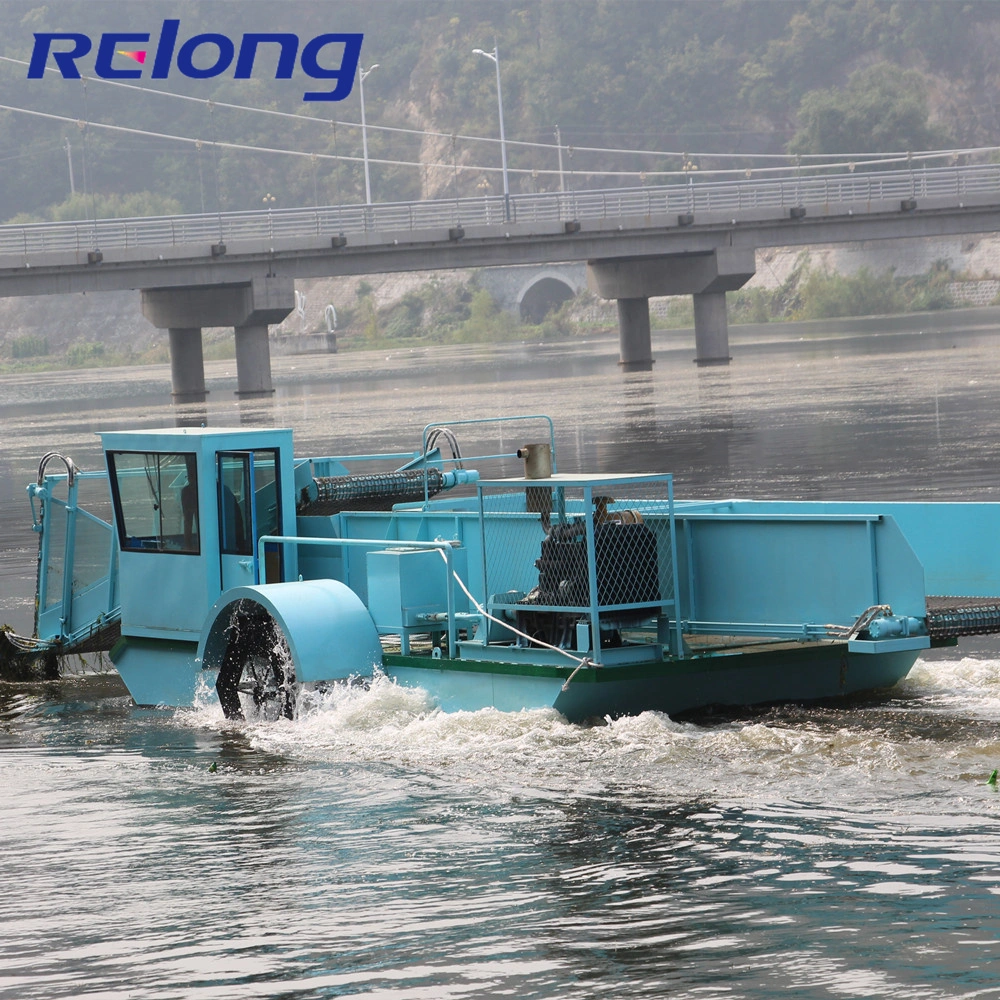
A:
(673, 338)
(936, 321)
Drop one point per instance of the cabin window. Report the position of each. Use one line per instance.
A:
(235, 513)
(249, 499)
(156, 501)
(268, 499)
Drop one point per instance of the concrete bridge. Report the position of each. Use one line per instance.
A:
(239, 269)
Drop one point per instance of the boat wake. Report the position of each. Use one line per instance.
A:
(966, 685)
(830, 752)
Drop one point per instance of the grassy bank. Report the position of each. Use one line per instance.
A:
(463, 313)
(817, 293)
(23, 358)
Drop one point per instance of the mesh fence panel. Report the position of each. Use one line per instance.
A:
(91, 552)
(55, 528)
(574, 550)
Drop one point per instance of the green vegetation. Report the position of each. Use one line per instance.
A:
(405, 318)
(440, 312)
(680, 314)
(222, 349)
(824, 295)
(816, 293)
(104, 206)
(725, 75)
(486, 321)
(882, 108)
(435, 313)
(85, 354)
(28, 346)
(80, 354)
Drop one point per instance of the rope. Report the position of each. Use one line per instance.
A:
(24, 643)
(585, 662)
(580, 661)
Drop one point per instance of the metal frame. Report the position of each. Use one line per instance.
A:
(799, 631)
(44, 494)
(859, 188)
(587, 485)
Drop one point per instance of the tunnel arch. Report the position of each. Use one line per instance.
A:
(542, 294)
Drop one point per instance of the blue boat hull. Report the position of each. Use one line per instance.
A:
(796, 672)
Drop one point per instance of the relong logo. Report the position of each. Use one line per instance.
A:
(203, 56)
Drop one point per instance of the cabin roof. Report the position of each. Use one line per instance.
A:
(193, 431)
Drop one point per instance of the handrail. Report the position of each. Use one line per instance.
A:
(859, 188)
(71, 470)
(493, 420)
(783, 518)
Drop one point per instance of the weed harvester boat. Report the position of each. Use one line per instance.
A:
(219, 560)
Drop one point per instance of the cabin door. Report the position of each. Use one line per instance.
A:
(249, 507)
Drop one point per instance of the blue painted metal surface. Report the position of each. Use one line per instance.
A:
(329, 632)
(595, 594)
(411, 591)
(793, 573)
(161, 671)
(167, 582)
(952, 541)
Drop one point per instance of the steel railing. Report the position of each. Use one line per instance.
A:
(862, 189)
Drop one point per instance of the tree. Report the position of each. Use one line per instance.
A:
(882, 109)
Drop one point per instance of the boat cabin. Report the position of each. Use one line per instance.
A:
(189, 507)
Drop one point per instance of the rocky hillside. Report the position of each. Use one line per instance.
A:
(705, 78)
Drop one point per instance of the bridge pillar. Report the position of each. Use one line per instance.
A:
(705, 275)
(253, 361)
(711, 329)
(635, 352)
(248, 307)
(187, 364)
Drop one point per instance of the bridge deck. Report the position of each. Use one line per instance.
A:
(614, 213)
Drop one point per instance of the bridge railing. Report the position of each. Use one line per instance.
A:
(692, 196)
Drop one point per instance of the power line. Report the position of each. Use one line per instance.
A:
(424, 133)
(35, 149)
(664, 174)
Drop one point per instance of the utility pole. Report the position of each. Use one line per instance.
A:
(364, 131)
(69, 157)
(495, 57)
(562, 179)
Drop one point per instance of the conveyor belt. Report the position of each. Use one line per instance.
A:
(374, 491)
(100, 640)
(951, 617)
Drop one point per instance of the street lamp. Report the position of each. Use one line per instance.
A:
(495, 56)
(689, 166)
(562, 178)
(364, 131)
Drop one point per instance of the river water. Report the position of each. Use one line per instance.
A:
(375, 846)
